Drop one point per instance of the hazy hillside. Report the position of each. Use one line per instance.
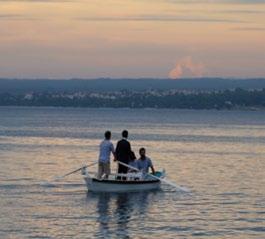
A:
(40, 85)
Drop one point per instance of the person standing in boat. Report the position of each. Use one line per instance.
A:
(105, 149)
(144, 163)
(123, 152)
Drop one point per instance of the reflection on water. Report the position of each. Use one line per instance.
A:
(219, 155)
(103, 214)
(116, 211)
(123, 214)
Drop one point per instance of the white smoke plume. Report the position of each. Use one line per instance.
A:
(185, 67)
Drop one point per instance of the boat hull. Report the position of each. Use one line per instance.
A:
(96, 185)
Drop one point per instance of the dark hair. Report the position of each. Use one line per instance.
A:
(141, 149)
(125, 134)
(107, 135)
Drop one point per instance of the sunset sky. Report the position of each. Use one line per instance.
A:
(132, 38)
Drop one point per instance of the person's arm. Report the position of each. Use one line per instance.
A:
(114, 155)
(129, 148)
(151, 166)
(153, 170)
(117, 150)
(113, 152)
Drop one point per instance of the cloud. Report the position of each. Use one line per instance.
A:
(219, 1)
(16, 17)
(36, 1)
(160, 18)
(248, 29)
(235, 11)
(186, 67)
(10, 15)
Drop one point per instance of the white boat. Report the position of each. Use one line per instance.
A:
(130, 182)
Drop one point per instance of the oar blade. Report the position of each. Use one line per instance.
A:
(179, 188)
(58, 178)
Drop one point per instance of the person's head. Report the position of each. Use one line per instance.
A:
(142, 152)
(107, 135)
(125, 134)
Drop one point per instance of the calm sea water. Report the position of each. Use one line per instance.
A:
(218, 155)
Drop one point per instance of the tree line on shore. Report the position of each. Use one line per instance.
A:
(227, 99)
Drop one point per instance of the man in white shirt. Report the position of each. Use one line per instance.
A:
(105, 149)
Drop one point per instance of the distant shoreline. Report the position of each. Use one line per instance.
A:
(249, 109)
(240, 99)
(140, 84)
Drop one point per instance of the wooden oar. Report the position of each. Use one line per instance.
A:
(72, 172)
(161, 179)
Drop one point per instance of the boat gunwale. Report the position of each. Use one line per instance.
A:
(125, 181)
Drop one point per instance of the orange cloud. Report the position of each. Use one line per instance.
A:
(185, 67)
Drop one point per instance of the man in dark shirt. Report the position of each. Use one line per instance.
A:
(123, 152)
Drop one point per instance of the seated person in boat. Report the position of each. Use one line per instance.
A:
(105, 149)
(133, 171)
(144, 163)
